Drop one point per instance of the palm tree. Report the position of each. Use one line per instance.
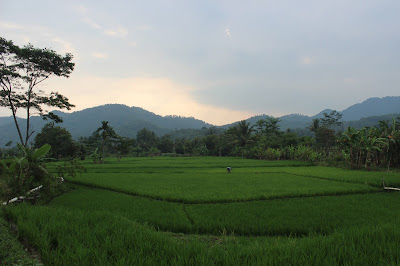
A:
(106, 131)
(241, 134)
(351, 139)
(371, 143)
(315, 125)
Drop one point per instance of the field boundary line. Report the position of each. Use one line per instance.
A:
(261, 198)
(324, 178)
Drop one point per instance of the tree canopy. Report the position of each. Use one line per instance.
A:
(22, 70)
(62, 145)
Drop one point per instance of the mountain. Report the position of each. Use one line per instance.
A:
(367, 113)
(372, 107)
(127, 121)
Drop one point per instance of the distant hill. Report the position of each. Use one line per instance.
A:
(372, 107)
(367, 113)
(127, 121)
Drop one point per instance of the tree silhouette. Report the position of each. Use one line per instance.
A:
(241, 134)
(105, 132)
(21, 71)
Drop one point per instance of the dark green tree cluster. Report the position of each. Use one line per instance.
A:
(374, 146)
(60, 140)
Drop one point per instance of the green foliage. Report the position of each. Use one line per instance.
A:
(21, 70)
(267, 126)
(104, 238)
(166, 144)
(146, 139)
(60, 140)
(69, 169)
(372, 146)
(123, 146)
(96, 156)
(197, 180)
(154, 152)
(241, 135)
(106, 133)
(26, 172)
(339, 220)
(11, 251)
(331, 120)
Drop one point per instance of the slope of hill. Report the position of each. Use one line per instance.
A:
(372, 107)
(127, 121)
(368, 112)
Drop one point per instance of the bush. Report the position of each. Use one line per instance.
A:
(24, 173)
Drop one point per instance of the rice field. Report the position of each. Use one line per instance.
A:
(190, 211)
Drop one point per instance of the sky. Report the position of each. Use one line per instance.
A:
(218, 61)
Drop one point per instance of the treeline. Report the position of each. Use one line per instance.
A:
(377, 146)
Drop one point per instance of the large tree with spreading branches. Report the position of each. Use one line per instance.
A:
(22, 71)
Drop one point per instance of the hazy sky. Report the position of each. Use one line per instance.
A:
(219, 61)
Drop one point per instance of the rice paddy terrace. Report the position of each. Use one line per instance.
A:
(185, 211)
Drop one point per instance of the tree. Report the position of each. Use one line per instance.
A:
(146, 139)
(325, 134)
(123, 146)
(179, 145)
(315, 125)
(268, 126)
(22, 70)
(331, 120)
(325, 138)
(166, 144)
(241, 135)
(105, 132)
(59, 139)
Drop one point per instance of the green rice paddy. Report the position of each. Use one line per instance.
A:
(190, 211)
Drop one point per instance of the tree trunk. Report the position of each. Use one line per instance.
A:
(15, 119)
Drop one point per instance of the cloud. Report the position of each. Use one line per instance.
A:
(11, 26)
(119, 31)
(46, 37)
(80, 9)
(306, 60)
(92, 24)
(143, 28)
(159, 95)
(100, 55)
(115, 31)
(228, 33)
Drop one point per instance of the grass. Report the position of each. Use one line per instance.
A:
(11, 250)
(189, 211)
(206, 180)
(346, 175)
(294, 216)
(66, 237)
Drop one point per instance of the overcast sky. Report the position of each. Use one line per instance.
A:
(218, 61)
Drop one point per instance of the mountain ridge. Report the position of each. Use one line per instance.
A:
(127, 121)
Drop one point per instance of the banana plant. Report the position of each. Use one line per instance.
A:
(25, 171)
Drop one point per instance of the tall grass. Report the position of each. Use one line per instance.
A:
(295, 216)
(189, 211)
(11, 251)
(66, 237)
